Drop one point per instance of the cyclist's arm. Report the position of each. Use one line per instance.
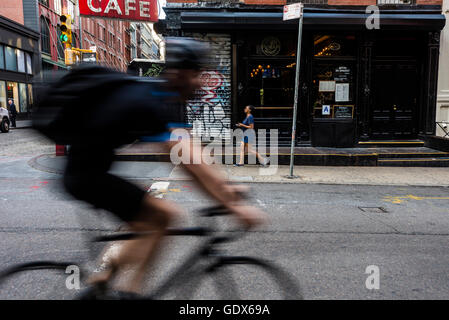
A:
(216, 185)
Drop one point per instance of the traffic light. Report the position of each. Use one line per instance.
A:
(66, 29)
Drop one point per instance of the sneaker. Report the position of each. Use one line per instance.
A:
(265, 162)
(238, 165)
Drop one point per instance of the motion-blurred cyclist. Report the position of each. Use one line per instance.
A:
(131, 109)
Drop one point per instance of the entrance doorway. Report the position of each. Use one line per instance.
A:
(395, 97)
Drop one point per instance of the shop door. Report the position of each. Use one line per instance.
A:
(395, 95)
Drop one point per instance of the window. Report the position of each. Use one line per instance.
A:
(3, 94)
(71, 9)
(29, 63)
(12, 91)
(23, 102)
(58, 6)
(45, 35)
(44, 2)
(2, 58)
(20, 60)
(30, 96)
(11, 59)
(334, 46)
(59, 44)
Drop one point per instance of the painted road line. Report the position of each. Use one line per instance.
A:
(400, 199)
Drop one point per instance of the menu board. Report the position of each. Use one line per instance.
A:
(342, 92)
(327, 86)
(344, 112)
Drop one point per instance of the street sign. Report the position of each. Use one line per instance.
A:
(293, 11)
(142, 10)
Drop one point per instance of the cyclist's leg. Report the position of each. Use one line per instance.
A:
(135, 207)
(155, 215)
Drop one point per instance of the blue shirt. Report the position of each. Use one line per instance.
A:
(249, 120)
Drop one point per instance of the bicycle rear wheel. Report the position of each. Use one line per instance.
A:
(236, 278)
(39, 280)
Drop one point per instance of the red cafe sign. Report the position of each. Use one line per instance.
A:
(145, 10)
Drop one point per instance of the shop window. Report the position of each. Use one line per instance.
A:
(3, 94)
(30, 96)
(20, 60)
(333, 90)
(45, 35)
(334, 45)
(272, 45)
(270, 88)
(23, 101)
(11, 59)
(29, 63)
(2, 58)
(12, 92)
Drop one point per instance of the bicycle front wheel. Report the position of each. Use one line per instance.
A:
(40, 280)
(235, 278)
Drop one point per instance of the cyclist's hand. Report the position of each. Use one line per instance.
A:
(249, 216)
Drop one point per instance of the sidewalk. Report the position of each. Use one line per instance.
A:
(22, 124)
(399, 176)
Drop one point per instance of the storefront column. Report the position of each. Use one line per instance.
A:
(365, 90)
(430, 94)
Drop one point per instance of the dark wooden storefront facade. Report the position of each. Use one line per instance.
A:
(356, 85)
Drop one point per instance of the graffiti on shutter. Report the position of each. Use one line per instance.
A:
(210, 111)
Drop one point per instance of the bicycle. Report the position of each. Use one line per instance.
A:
(185, 281)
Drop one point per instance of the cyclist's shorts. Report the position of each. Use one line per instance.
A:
(87, 179)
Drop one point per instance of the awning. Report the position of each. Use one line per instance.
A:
(312, 20)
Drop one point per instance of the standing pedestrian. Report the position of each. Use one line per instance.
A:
(12, 113)
(248, 124)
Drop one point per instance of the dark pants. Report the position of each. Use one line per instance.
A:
(13, 121)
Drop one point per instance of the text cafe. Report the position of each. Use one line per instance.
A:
(146, 10)
(356, 84)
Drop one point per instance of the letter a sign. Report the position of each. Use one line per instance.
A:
(142, 10)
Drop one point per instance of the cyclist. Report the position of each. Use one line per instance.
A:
(134, 109)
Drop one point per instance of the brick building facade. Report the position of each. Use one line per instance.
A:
(19, 57)
(111, 38)
(357, 84)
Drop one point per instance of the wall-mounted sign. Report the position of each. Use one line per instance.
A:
(271, 46)
(344, 112)
(326, 110)
(327, 86)
(142, 10)
(342, 92)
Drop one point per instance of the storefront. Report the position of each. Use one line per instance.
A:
(356, 85)
(19, 62)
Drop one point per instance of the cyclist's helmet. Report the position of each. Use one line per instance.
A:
(186, 53)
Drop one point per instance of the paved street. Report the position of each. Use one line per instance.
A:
(324, 234)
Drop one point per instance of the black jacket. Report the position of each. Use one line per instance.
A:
(12, 110)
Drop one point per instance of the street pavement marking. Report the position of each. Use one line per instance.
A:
(159, 189)
(401, 199)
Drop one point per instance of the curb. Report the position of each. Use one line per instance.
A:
(35, 165)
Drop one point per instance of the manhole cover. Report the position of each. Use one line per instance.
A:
(373, 209)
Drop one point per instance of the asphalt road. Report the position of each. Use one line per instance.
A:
(316, 232)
